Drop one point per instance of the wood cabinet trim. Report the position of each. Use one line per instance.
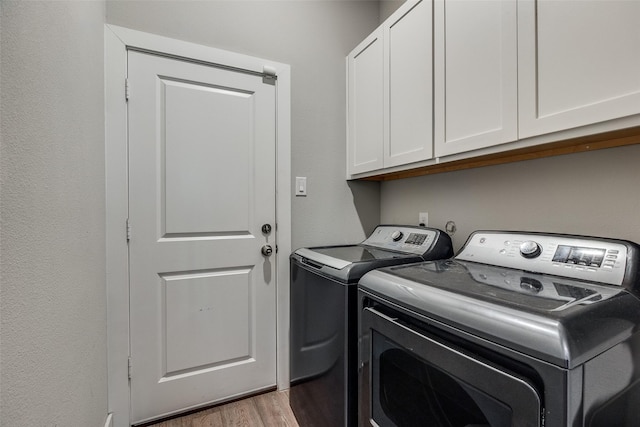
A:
(618, 138)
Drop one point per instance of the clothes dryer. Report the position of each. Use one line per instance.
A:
(324, 316)
(519, 329)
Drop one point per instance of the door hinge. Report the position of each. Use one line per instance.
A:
(128, 230)
(127, 90)
(269, 75)
(129, 367)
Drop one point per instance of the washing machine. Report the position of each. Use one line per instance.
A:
(519, 329)
(323, 332)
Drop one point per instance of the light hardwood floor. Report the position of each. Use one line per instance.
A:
(264, 410)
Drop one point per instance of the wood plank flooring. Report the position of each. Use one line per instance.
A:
(264, 410)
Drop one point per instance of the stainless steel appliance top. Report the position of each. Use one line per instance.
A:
(563, 299)
(387, 245)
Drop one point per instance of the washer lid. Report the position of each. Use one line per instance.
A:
(339, 257)
(510, 287)
(560, 320)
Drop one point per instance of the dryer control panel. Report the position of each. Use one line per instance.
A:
(593, 259)
(402, 238)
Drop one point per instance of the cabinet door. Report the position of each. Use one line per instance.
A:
(409, 93)
(579, 63)
(365, 105)
(476, 80)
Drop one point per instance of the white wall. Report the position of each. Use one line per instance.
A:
(314, 37)
(52, 265)
(594, 193)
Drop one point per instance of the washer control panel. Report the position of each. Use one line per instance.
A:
(597, 260)
(413, 240)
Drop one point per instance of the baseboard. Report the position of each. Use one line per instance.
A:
(109, 421)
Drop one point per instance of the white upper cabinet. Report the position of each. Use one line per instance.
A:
(476, 74)
(445, 80)
(579, 63)
(366, 105)
(390, 107)
(409, 91)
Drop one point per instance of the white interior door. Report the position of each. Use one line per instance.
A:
(201, 185)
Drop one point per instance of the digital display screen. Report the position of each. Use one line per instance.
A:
(416, 239)
(591, 257)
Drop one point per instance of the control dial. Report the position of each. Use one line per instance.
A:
(530, 249)
(397, 235)
(530, 285)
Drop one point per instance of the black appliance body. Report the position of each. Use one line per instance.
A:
(519, 329)
(324, 316)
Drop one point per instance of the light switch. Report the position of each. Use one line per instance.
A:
(301, 186)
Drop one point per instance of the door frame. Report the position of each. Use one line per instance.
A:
(118, 40)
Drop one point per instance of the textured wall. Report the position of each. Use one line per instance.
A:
(52, 265)
(588, 193)
(314, 37)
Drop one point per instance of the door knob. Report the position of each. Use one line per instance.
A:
(267, 250)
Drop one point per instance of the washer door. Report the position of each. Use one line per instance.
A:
(420, 380)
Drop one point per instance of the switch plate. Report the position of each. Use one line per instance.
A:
(423, 219)
(301, 186)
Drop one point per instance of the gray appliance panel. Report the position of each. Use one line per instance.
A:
(387, 245)
(565, 323)
(595, 260)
